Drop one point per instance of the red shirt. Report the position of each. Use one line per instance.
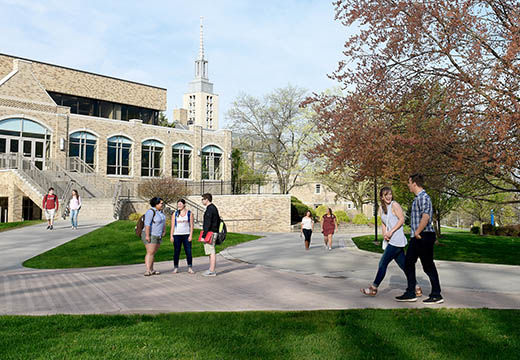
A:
(50, 202)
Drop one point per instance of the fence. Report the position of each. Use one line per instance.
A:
(231, 187)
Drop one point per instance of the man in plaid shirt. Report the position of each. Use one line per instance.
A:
(421, 244)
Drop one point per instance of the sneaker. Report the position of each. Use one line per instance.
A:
(209, 273)
(73, 228)
(190, 270)
(407, 298)
(434, 300)
(175, 270)
(52, 227)
(48, 227)
(330, 249)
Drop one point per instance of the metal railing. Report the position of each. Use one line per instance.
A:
(75, 163)
(65, 208)
(116, 200)
(68, 177)
(220, 187)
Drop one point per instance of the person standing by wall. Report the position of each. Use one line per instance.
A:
(181, 235)
(50, 207)
(74, 206)
(210, 229)
(422, 242)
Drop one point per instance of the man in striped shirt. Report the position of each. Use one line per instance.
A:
(421, 244)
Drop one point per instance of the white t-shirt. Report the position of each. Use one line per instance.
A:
(183, 225)
(307, 223)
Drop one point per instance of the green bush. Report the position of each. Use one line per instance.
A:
(298, 210)
(342, 216)
(321, 210)
(475, 229)
(134, 216)
(477, 223)
(508, 230)
(379, 221)
(360, 219)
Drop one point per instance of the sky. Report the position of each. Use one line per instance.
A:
(252, 47)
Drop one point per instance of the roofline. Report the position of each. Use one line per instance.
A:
(86, 72)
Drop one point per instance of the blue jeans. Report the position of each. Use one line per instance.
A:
(391, 253)
(178, 241)
(74, 217)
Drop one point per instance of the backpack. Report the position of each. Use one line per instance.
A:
(140, 224)
(222, 232)
(177, 212)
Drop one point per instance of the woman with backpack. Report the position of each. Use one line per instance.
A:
(74, 206)
(182, 234)
(153, 232)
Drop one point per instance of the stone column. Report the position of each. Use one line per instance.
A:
(15, 203)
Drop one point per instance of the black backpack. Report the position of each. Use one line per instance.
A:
(222, 232)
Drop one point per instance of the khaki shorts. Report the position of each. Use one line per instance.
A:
(153, 239)
(209, 249)
(49, 213)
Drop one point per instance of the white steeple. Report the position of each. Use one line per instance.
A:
(201, 64)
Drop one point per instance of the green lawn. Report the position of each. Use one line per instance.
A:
(348, 334)
(457, 245)
(117, 244)
(18, 224)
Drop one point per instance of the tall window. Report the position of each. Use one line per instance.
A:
(181, 160)
(151, 158)
(191, 110)
(317, 189)
(83, 145)
(211, 163)
(118, 157)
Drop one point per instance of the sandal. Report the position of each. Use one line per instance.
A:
(418, 291)
(175, 270)
(370, 291)
(155, 272)
(147, 273)
(190, 271)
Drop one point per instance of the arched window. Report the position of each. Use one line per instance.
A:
(119, 151)
(25, 137)
(151, 158)
(83, 145)
(211, 162)
(181, 161)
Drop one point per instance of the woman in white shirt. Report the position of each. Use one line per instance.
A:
(181, 234)
(394, 240)
(307, 227)
(74, 206)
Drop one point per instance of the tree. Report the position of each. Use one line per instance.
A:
(280, 130)
(433, 81)
(167, 188)
(242, 176)
(343, 183)
(163, 120)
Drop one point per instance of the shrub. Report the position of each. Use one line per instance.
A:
(298, 210)
(379, 221)
(341, 216)
(360, 219)
(134, 216)
(477, 223)
(167, 188)
(488, 229)
(508, 230)
(475, 229)
(321, 210)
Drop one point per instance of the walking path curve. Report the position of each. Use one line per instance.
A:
(271, 273)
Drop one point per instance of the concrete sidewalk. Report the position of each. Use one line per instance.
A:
(284, 277)
(21, 244)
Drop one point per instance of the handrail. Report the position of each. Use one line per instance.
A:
(66, 200)
(116, 200)
(54, 166)
(75, 163)
(28, 168)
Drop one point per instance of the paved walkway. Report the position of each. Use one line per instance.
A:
(272, 273)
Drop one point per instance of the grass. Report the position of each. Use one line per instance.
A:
(347, 334)
(117, 244)
(18, 224)
(457, 245)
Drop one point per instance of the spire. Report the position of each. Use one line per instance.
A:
(201, 47)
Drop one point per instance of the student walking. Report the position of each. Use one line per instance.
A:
(181, 235)
(422, 242)
(74, 206)
(394, 239)
(210, 229)
(329, 225)
(50, 207)
(307, 227)
(153, 232)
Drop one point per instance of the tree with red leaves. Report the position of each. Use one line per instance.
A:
(433, 86)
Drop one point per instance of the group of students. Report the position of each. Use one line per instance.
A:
(181, 233)
(422, 240)
(50, 205)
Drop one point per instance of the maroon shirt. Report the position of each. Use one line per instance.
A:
(50, 202)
